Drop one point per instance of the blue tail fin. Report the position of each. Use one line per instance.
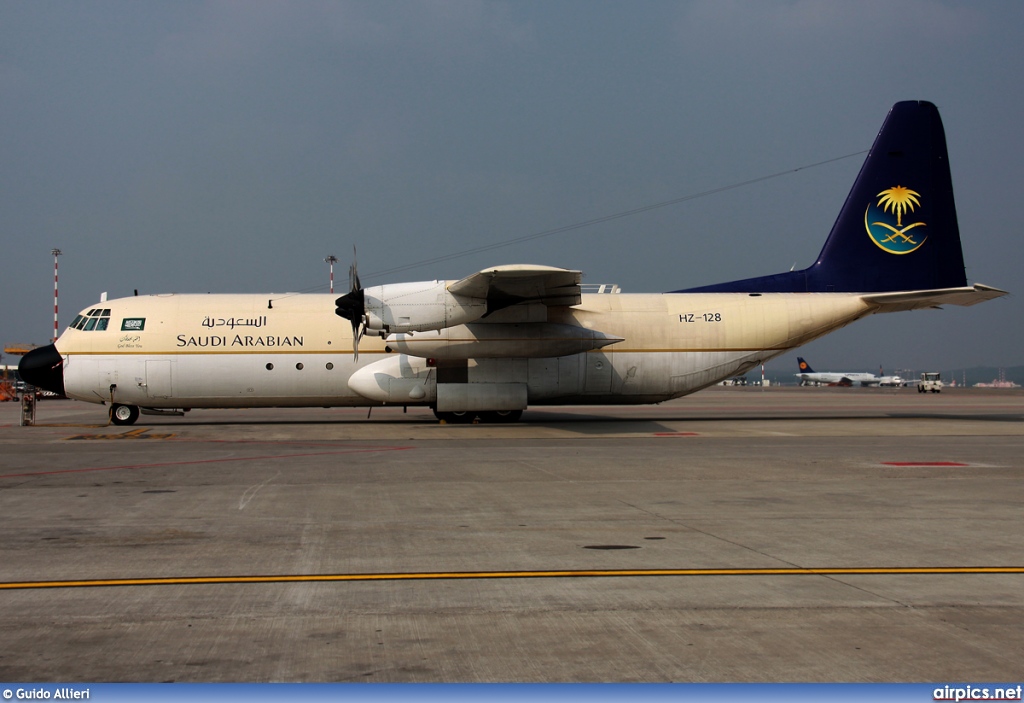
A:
(897, 230)
(803, 365)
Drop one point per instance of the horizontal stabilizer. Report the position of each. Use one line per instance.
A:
(917, 299)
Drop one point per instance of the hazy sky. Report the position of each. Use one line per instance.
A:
(230, 145)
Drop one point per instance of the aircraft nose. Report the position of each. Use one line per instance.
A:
(43, 368)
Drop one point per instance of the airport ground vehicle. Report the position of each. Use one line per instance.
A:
(931, 382)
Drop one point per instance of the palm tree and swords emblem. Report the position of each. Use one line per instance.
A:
(895, 239)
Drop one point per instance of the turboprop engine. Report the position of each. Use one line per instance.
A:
(397, 308)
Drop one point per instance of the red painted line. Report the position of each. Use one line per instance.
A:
(677, 434)
(282, 442)
(204, 461)
(923, 463)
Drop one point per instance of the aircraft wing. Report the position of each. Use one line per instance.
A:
(916, 299)
(503, 286)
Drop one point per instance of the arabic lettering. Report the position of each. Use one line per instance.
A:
(233, 322)
(130, 341)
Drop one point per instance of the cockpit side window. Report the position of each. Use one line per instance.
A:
(96, 319)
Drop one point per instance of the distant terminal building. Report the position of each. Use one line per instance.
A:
(1000, 382)
(10, 381)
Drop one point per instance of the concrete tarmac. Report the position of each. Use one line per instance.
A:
(739, 534)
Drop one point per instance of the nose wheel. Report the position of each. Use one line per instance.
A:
(124, 414)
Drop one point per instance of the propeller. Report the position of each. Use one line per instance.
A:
(352, 306)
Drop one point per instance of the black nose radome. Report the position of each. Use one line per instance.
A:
(43, 368)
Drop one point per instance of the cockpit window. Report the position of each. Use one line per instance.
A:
(96, 319)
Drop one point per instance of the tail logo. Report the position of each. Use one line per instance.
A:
(894, 237)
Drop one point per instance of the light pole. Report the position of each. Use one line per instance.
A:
(332, 259)
(56, 253)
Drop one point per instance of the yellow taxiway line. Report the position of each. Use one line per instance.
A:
(566, 573)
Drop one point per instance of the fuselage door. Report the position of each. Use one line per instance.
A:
(158, 378)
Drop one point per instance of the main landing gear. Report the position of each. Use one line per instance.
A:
(467, 417)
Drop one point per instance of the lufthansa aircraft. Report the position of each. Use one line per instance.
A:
(894, 381)
(487, 346)
(808, 375)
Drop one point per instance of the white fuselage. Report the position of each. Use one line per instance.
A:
(191, 351)
(853, 377)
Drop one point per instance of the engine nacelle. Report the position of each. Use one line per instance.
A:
(416, 307)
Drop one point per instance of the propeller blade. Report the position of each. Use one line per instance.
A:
(357, 334)
(352, 306)
(353, 273)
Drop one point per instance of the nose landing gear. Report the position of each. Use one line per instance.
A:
(124, 414)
